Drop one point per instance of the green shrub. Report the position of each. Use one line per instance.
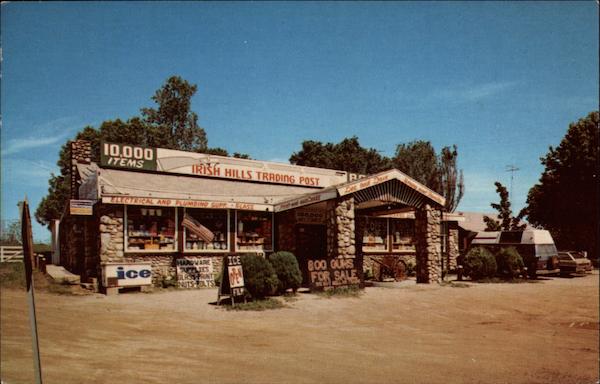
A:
(287, 270)
(509, 262)
(479, 263)
(411, 268)
(260, 278)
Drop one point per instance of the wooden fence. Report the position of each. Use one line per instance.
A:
(11, 254)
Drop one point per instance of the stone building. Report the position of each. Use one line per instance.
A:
(178, 213)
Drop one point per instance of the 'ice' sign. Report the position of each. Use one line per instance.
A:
(127, 275)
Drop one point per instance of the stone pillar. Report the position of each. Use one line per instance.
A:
(428, 244)
(340, 228)
(453, 251)
(81, 153)
(112, 240)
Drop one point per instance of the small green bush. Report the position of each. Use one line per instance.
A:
(260, 278)
(480, 263)
(287, 270)
(411, 268)
(509, 262)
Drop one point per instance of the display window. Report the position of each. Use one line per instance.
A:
(403, 235)
(150, 229)
(375, 237)
(254, 231)
(205, 230)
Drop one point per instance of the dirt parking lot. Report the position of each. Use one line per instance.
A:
(543, 332)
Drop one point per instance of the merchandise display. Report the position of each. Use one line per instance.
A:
(150, 229)
(206, 230)
(375, 235)
(254, 231)
(403, 233)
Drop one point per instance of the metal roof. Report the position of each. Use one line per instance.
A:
(390, 186)
(112, 182)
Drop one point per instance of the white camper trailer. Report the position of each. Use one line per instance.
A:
(535, 246)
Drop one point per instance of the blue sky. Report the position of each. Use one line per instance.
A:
(500, 80)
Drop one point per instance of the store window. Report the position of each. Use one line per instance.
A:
(150, 229)
(254, 231)
(205, 230)
(375, 237)
(403, 235)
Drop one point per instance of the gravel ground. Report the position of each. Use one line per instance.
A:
(542, 332)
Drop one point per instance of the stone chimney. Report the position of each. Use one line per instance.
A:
(81, 153)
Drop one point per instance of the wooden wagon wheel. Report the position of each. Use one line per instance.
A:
(394, 268)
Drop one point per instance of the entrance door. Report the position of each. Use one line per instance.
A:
(311, 243)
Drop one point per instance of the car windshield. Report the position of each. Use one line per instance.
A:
(544, 251)
(577, 255)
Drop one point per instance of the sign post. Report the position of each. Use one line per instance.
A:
(232, 279)
(26, 236)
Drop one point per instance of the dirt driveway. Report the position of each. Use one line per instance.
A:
(544, 332)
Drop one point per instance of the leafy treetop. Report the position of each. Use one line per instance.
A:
(565, 200)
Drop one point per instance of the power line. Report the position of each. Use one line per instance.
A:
(512, 169)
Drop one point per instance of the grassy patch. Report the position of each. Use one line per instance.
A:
(454, 284)
(290, 297)
(351, 291)
(258, 305)
(12, 275)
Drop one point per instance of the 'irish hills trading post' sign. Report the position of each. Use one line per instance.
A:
(200, 164)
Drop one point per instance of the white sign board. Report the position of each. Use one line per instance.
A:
(195, 272)
(81, 207)
(132, 200)
(200, 164)
(236, 276)
(126, 275)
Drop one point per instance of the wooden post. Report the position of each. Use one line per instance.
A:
(27, 238)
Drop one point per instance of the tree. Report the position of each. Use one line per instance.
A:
(452, 181)
(418, 160)
(173, 124)
(347, 155)
(565, 201)
(12, 234)
(59, 186)
(506, 221)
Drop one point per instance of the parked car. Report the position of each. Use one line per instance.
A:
(535, 246)
(573, 262)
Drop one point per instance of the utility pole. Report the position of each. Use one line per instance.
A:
(512, 169)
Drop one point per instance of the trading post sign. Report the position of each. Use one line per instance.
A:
(334, 273)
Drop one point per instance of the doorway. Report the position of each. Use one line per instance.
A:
(311, 244)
